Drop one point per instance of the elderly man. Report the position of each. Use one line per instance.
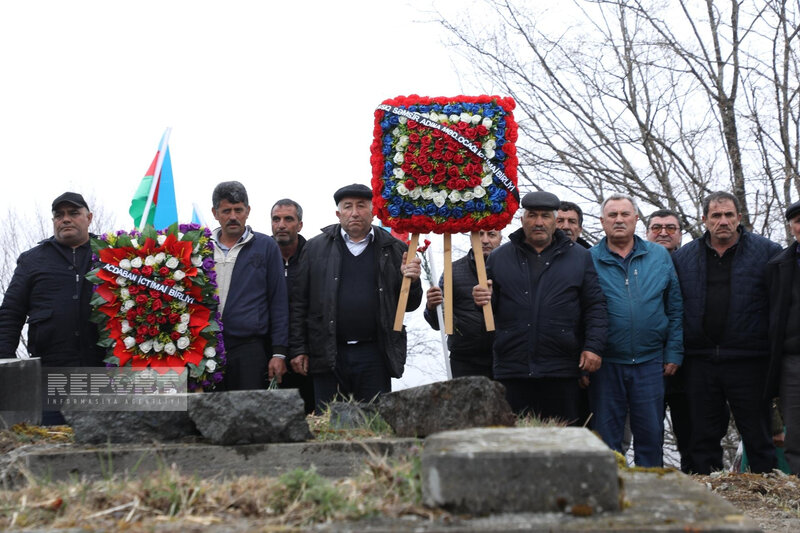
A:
(470, 344)
(723, 279)
(344, 302)
(783, 280)
(664, 228)
(287, 221)
(50, 290)
(550, 314)
(645, 339)
(252, 293)
(570, 221)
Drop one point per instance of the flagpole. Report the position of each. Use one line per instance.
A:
(162, 150)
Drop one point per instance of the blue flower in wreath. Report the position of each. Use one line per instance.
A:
(489, 111)
(430, 210)
(419, 210)
(394, 120)
(385, 124)
(469, 206)
(458, 212)
(444, 211)
(496, 207)
(394, 210)
(480, 205)
(408, 208)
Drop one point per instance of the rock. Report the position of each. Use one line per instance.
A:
(20, 391)
(346, 415)
(504, 470)
(250, 416)
(98, 427)
(461, 403)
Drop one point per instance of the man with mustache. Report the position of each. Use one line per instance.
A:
(645, 335)
(252, 293)
(570, 221)
(726, 317)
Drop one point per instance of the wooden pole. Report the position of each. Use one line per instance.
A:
(448, 284)
(488, 317)
(406, 286)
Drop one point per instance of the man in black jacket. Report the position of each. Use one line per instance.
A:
(49, 288)
(550, 314)
(344, 300)
(783, 280)
(570, 221)
(725, 321)
(470, 345)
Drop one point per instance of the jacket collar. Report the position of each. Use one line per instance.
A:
(640, 248)
(560, 239)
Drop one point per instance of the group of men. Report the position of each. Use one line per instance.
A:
(705, 328)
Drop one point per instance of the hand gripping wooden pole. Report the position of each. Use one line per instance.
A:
(477, 249)
(406, 286)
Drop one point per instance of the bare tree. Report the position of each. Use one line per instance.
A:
(640, 97)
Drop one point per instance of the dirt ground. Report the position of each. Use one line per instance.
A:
(771, 500)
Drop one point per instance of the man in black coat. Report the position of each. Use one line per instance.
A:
(50, 290)
(783, 280)
(550, 314)
(343, 304)
(470, 345)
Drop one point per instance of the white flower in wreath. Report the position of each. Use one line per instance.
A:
(169, 349)
(490, 144)
(180, 235)
(146, 346)
(398, 158)
(487, 180)
(403, 120)
(160, 256)
(467, 196)
(180, 304)
(439, 199)
(211, 365)
(125, 326)
(209, 352)
(178, 275)
(197, 260)
(185, 317)
(454, 196)
(129, 342)
(127, 305)
(465, 117)
(181, 327)
(196, 248)
(444, 118)
(479, 192)
(121, 282)
(125, 264)
(161, 239)
(158, 346)
(124, 294)
(427, 193)
(487, 123)
(136, 262)
(399, 174)
(402, 190)
(415, 193)
(476, 119)
(183, 343)
(135, 244)
(403, 140)
(172, 263)
(396, 132)
(453, 118)
(149, 260)
(489, 153)
(434, 116)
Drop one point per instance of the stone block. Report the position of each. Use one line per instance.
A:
(20, 391)
(483, 470)
(346, 415)
(460, 403)
(250, 416)
(98, 427)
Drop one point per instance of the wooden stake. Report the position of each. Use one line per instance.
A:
(448, 285)
(488, 316)
(405, 288)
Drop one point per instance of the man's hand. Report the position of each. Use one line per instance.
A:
(276, 368)
(413, 269)
(435, 297)
(482, 295)
(300, 364)
(590, 361)
(670, 369)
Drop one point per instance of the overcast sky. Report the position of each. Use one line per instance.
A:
(278, 95)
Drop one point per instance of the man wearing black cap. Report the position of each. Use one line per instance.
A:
(343, 304)
(783, 280)
(50, 290)
(550, 314)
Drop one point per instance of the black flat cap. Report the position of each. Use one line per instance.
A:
(70, 198)
(541, 200)
(356, 190)
(793, 210)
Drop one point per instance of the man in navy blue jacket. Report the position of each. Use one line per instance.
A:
(252, 293)
(726, 311)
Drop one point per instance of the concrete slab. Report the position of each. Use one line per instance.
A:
(20, 391)
(490, 470)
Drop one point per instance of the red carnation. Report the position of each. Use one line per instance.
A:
(453, 171)
(424, 180)
(157, 304)
(153, 331)
(151, 319)
(163, 271)
(414, 138)
(458, 158)
(175, 335)
(147, 270)
(140, 299)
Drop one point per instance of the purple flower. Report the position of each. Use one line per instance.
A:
(208, 264)
(217, 377)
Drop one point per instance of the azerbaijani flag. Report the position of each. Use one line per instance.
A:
(154, 200)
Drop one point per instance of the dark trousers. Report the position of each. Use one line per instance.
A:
(546, 398)
(360, 372)
(461, 368)
(304, 385)
(247, 361)
(677, 400)
(740, 383)
(790, 407)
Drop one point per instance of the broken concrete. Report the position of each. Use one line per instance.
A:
(20, 391)
(99, 427)
(483, 470)
(460, 403)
